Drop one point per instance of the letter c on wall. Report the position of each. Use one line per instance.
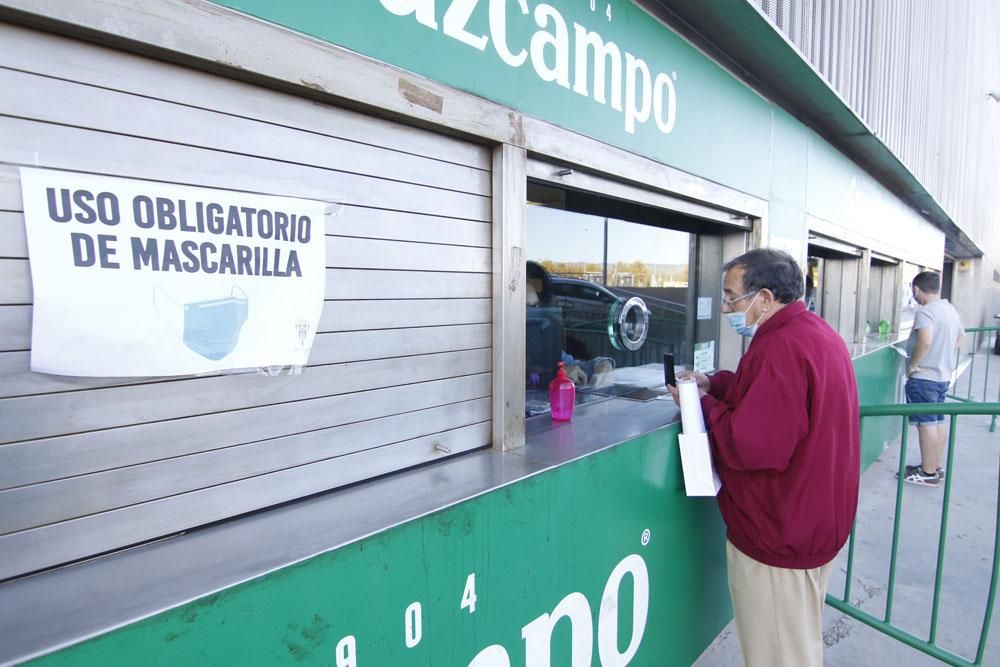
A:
(498, 29)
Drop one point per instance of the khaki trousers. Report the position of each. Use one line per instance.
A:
(778, 611)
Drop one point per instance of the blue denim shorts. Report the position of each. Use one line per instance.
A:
(925, 391)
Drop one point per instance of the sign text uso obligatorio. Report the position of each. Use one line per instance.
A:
(580, 60)
(223, 256)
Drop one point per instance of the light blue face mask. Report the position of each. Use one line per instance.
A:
(212, 328)
(738, 319)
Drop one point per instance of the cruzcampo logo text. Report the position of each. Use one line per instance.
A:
(572, 56)
(536, 648)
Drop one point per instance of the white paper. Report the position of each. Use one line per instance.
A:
(692, 419)
(704, 308)
(700, 478)
(704, 357)
(238, 284)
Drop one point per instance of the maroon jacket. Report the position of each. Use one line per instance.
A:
(785, 436)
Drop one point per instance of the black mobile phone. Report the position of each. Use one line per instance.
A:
(668, 370)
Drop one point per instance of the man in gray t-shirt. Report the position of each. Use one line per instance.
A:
(937, 331)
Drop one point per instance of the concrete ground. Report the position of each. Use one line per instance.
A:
(968, 554)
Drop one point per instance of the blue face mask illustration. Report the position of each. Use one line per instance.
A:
(212, 328)
(738, 320)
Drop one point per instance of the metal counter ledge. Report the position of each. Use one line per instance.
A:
(54, 609)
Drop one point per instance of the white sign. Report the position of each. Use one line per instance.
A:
(139, 278)
(704, 357)
(704, 308)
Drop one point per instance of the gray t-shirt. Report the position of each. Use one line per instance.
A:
(939, 363)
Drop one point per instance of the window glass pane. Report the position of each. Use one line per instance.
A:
(834, 283)
(814, 284)
(909, 304)
(607, 297)
(881, 295)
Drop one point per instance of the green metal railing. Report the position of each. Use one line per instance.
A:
(976, 336)
(884, 624)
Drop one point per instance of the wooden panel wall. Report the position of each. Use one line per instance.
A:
(882, 293)
(400, 373)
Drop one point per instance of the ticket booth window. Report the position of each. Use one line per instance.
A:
(833, 268)
(612, 287)
(908, 305)
(882, 280)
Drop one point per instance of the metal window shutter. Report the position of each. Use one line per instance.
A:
(400, 373)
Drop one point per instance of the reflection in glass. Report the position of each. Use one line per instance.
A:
(598, 287)
(813, 285)
(881, 295)
(834, 274)
(909, 305)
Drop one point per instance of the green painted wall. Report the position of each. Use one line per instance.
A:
(529, 545)
(786, 213)
(877, 375)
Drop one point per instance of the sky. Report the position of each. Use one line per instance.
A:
(564, 236)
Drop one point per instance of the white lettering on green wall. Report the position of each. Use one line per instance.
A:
(424, 11)
(607, 633)
(538, 634)
(347, 652)
(498, 28)
(603, 52)
(637, 111)
(558, 55)
(665, 82)
(559, 43)
(576, 611)
(455, 20)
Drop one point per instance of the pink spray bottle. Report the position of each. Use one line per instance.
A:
(562, 396)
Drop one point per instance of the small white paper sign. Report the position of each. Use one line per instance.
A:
(704, 357)
(704, 308)
(700, 478)
(792, 246)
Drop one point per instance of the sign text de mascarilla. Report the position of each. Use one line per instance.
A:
(183, 255)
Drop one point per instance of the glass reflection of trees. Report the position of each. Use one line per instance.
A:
(594, 263)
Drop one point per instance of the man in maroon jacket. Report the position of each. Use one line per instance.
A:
(785, 437)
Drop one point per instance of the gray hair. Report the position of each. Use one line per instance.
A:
(775, 270)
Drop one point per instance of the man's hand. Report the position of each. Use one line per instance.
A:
(914, 369)
(700, 378)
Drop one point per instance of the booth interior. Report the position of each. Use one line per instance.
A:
(614, 286)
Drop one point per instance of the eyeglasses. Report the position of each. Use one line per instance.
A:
(728, 303)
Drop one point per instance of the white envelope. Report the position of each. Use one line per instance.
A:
(700, 478)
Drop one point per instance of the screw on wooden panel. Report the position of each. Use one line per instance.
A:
(442, 449)
(564, 172)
